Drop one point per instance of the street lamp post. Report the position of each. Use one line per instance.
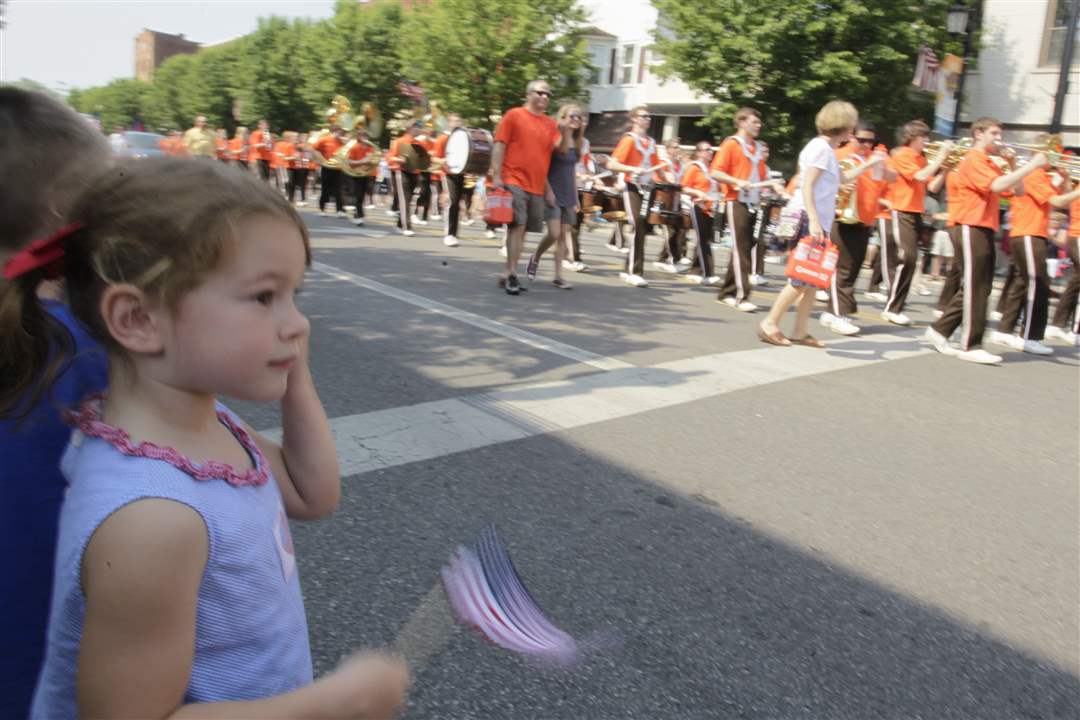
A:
(956, 22)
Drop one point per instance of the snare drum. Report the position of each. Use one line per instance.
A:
(468, 150)
(613, 206)
(590, 200)
(664, 205)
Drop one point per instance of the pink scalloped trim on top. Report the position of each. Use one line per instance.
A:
(87, 419)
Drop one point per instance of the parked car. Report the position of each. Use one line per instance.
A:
(142, 145)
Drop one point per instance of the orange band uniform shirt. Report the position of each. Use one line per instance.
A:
(952, 198)
(529, 140)
(220, 146)
(867, 189)
(696, 179)
(395, 150)
(282, 149)
(885, 213)
(359, 151)
(909, 194)
(238, 149)
(256, 148)
(438, 150)
(1031, 211)
(731, 160)
(328, 145)
(976, 204)
(627, 153)
(1074, 219)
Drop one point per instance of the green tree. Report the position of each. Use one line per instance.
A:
(476, 56)
(167, 108)
(269, 85)
(210, 86)
(118, 103)
(787, 58)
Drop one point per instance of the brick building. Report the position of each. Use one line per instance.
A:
(153, 48)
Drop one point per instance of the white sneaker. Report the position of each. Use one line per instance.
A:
(694, 279)
(924, 291)
(979, 356)
(624, 250)
(408, 233)
(842, 326)
(489, 234)
(418, 221)
(342, 214)
(1013, 342)
(467, 222)
(358, 221)
(936, 313)
(665, 267)
(879, 296)
(995, 315)
(940, 342)
(896, 318)
(1036, 348)
(762, 281)
(324, 213)
(712, 280)
(450, 241)
(821, 296)
(392, 213)
(635, 280)
(348, 208)
(744, 306)
(369, 206)
(301, 203)
(575, 265)
(436, 217)
(502, 251)
(613, 247)
(685, 262)
(1053, 332)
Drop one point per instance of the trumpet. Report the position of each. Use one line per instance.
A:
(956, 153)
(1054, 149)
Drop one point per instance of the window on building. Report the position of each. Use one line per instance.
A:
(1056, 32)
(597, 58)
(627, 67)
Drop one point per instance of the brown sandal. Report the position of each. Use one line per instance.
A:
(809, 341)
(773, 338)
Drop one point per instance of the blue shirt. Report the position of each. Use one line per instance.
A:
(251, 636)
(31, 490)
(561, 177)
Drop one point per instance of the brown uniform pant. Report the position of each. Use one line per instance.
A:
(955, 272)
(737, 278)
(635, 206)
(702, 223)
(967, 308)
(905, 237)
(1069, 302)
(851, 241)
(1030, 289)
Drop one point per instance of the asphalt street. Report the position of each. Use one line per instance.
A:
(734, 530)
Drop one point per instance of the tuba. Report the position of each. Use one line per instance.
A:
(369, 163)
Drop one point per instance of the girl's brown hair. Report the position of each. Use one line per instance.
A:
(161, 225)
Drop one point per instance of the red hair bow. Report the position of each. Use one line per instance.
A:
(47, 254)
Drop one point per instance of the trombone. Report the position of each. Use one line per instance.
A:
(1054, 150)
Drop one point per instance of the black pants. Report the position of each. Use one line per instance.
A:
(423, 203)
(455, 188)
(952, 277)
(404, 186)
(702, 224)
(331, 187)
(757, 252)
(1010, 278)
(264, 169)
(968, 306)
(905, 235)
(851, 240)
(636, 206)
(675, 247)
(1069, 302)
(1030, 290)
(737, 278)
(360, 188)
(297, 179)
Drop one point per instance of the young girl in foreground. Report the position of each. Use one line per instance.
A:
(176, 588)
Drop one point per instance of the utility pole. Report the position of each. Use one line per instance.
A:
(1066, 66)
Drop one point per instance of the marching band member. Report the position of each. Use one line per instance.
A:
(325, 148)
(221, 144)
(955, 271)
(979, 186)
(672, 257)
(356, 157)
(636, 157)
(454, 185)
(404, 180)
(282, 158)
(260, 149)
(851, 234)
(1069, 302)
(738, 164)
(299, 168)
(757, 249)
(1028, 233)
(585, 173)
(238, 147)
(702, 189)
(914, 174)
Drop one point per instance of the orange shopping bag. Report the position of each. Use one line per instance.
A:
(499, 209)
(813, 262)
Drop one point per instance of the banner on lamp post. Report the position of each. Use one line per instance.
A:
(948, 79)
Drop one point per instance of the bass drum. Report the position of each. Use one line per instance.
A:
(468, 150)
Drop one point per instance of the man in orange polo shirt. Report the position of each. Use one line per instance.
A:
(261, 149)
(1069, 302)
(914, 174)
(852, 234)
(739, 164)
(1030, 289)
(979, 186)
(635, 154)
(524, 141)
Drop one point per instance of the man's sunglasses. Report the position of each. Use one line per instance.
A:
(866, 141)
(545, 93)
